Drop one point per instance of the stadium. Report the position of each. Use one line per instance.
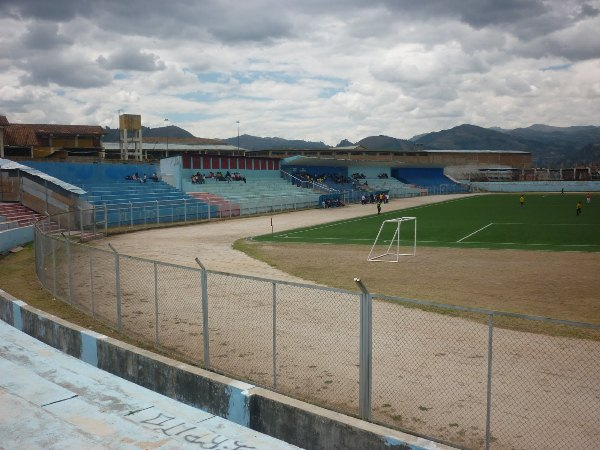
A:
(486, 337)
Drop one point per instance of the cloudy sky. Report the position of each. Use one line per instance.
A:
(302, 69)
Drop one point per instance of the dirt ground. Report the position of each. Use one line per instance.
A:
(429, 370)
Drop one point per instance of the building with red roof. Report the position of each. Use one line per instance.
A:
(49, 140)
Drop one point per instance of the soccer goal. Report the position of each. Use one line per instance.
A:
(391, 247)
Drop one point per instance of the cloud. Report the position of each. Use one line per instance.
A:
(63, 70)
(131, 59)
(311, 69)
(44, 36)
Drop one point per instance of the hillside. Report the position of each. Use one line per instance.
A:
(269, 143)
(550, 146)
(386, 143)
(471, 137)
(173, 131)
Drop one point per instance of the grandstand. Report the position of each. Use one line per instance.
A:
(430, 178)
(263, 191)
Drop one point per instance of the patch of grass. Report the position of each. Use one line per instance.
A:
(495, 221)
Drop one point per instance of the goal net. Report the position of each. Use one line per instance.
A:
(395, 240)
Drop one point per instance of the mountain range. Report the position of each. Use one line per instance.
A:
(550, 146)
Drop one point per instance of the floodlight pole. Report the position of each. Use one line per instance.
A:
(167, 121)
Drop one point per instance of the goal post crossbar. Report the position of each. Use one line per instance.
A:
(394, 242)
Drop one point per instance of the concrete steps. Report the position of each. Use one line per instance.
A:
(21, 215)
(51, 400)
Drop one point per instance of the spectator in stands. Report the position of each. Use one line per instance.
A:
(143, 179)
(154, 176)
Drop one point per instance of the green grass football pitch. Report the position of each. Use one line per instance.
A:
(497, 221)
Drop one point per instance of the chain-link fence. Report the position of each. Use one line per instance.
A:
(442, 372)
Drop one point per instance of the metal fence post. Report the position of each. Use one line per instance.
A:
(81, 224)
(92, 283)
(488, 415)
(205, 334)
(105, 220)
(157, 213)
(94, 220)
(365, 352)
(118, 288)
(41, 265)
(69, 269)
(53, 246)
(274, 335)
(156, 301)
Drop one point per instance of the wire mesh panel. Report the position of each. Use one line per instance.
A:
(317, 336)
(40, 255)
(61, 269)
(103, 299)
(241, 326)
(81, 288)
(546, 391)
(179, 311)
(429, 373)
(137, 294)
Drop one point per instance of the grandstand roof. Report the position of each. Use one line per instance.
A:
(7, 164)
(184, 140)
(476, 151)
(174, 146)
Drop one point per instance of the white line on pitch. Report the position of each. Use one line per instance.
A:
(475, 232)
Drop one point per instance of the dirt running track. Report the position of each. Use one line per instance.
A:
(429, 370)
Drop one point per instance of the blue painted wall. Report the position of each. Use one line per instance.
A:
(89, 172)
(15, 237)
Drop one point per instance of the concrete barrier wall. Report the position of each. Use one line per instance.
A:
(15, 237)
(290, 420)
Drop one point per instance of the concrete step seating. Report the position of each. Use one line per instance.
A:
(57, 401)
(266, 189)
(224, 206)
(395, 186)
(18, 214)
